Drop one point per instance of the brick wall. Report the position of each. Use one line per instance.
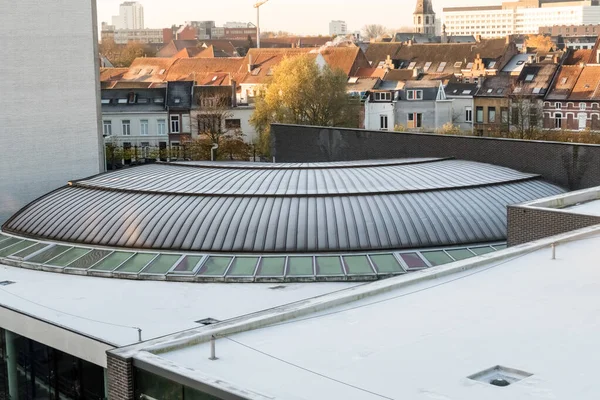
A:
(572, 166)
(528, 224)
(120, 378)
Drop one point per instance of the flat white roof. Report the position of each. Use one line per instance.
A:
(109, 309)
(422, 340)
(588, 208)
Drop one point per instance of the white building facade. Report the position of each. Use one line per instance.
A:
(338, 28)
(49, 123)
(131, 16)
(522, 17)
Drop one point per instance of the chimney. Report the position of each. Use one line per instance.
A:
(530, 60)
(409, 42)
(415, 73)
(250, 64)
(478, 38)
(233, 93)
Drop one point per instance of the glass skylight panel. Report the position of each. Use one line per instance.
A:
(9, 242)
(15, 248)
(386, 264)
(329, 265)
(30, 250)
(67, 258)
(412, 65)
(243, 266)
(162, 264)
(500, 247)
(441, 67)
(89, 259)
(215, 266)
(136, 263)
(529, 78)
(437, 257)
(111, 262)
(48, 254)
(460, 254)
(413, 261)
(300, 266)
(187, 265)
(481, 250)
(358, 265)
(271, 266)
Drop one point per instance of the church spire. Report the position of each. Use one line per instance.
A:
(424, 18)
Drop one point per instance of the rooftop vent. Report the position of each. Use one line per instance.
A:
(6, 283)
(500, 376)
(208, 321)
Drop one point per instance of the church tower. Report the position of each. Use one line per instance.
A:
(424, 18)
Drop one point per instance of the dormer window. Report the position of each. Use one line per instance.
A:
(414, 95)
(382, 96)
(131, 98)
(177, 100)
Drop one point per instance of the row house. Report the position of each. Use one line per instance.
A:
(573, 102)
(412, 105)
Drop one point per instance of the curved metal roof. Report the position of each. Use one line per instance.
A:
(284, 208)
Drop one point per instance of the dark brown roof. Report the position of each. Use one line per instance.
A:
(496, 86)
(535, 80)
(175, 46)
(576, 57)
(186, 69)
(377, 52)
(565, 82)
(400, 75)
(346, 59)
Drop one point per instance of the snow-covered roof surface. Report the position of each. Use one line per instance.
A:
(588, 208)
(109, 309)
(422, 340)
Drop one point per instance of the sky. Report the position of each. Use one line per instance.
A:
(310, 17)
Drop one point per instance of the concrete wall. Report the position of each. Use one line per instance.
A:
(572, 166)
(49, 106)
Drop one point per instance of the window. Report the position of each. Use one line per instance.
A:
(529, 78)
(558, 120)
(162, 127)
(468, 114)
(479, 115)
(415, 120)
(558, 106)
(143, 127)
(233, 123)
(174, 123)
(383, 96)
(126, 125)
(582, 106)
(414, 95)
(492, 115)
(504, 115)
(441, 67)
(145, 147)
(383, 122)
(412, 65)
(107, 128)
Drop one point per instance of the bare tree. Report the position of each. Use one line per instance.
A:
(525, 117)
(373, 31)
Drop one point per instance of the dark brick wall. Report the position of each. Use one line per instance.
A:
(572, 166)
(120, 378)
(527, 224)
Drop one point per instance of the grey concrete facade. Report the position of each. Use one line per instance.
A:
(49, 108)
(572, 166)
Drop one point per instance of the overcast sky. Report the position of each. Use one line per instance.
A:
(297, 16)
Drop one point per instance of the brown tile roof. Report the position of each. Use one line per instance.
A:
(225, 48)
(578, 56)
(175, 46)
(344, 58)
(370, 73)
(588, 84)
(264, 60)
(496, 86)
(565, 82)
(399, 75)
(535, 79)
(149, 69)
(186, 69)
(302, 41)
(378, 52)
(112, 74)
(362, 84)
(208, 52)
(191, 52)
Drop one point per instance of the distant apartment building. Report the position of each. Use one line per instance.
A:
(519, 17)
(570, 30)
(204, 28)
(338, 28)
(235, 25)
(131, 16)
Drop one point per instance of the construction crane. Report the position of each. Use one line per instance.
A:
(257, 6)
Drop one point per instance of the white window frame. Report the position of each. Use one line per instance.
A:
(414, 95)
(107, 127)
(144, 125)
(582, 106)
(558, 120)
(383, 122)
(161, 126)
(468, 114)
(175, 124)
(126, 127)
(383, 96)
(558, 106)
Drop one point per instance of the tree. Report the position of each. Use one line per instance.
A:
(526, 117)
(302, 93)
(250, 42)
(374, 31)
(123, 55)
(539, 42)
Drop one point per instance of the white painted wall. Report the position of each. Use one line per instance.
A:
(136, 138)
(373, 112)
(244, 114)
(49, 98)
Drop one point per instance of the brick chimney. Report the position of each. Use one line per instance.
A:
(250, 64)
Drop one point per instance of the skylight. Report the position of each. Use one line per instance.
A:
(492, 64)
(466, 91)
(529, 77)
(122, 101)
(458, 64)
(537, 90)
(427, 66)
(470, 65)
(105, 101)
(412, 65)
(520, 62)
(353, 80)
(162, 71)
(441, 67)
(500, 91)
(490, 90)
(563, 81)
